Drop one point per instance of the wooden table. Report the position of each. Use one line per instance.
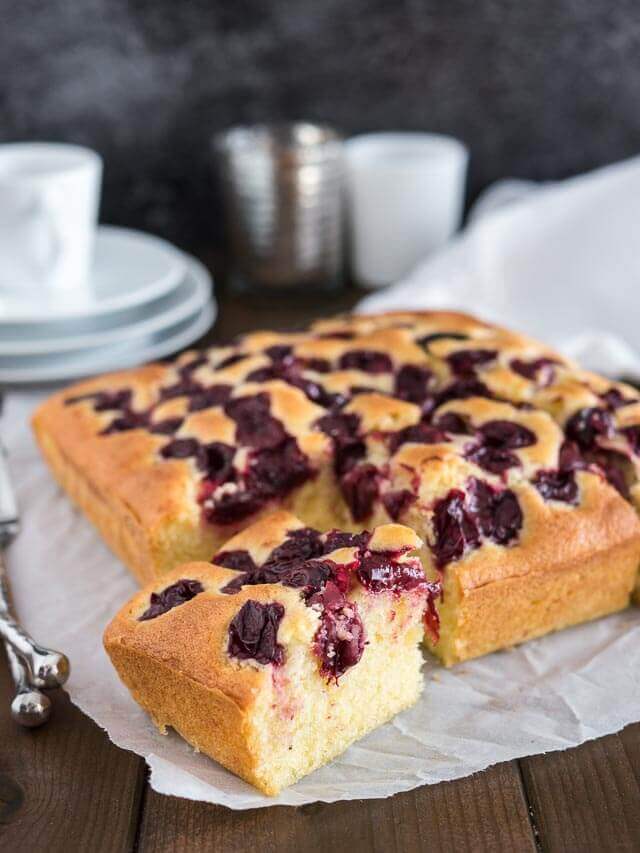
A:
(67, 788)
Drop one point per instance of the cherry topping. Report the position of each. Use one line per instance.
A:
(614, 399)
(492, 459)
(557, 486)
(420, 433)
(538, 369)
(301, 544)
(278, 352)
(174, 595)
(455, 528)
(507, 435)
(396, 503)
(462, 389)
(498, 512)
(340, 639)
(498, 438)
(128, 420)
(214, 395)
(105, 401)
(454, 423)
(231, 360)
(239, 561)
(587, 425)
(216, 460)
(275, 471)
(233, 506)
(464, 362)
(255, 426)
(381, 573)
(180, 448)
(632, 434)
(167, 426)
(335, 539)
(360, 489)
(253, 633)
(319, 365)
(369, 361)
(412, 382)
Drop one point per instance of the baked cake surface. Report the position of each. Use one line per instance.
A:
(285, 650)
(517, 469)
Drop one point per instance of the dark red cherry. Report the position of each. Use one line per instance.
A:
(462, 389)
(127, 421)
(167, 426)
(464, 362)
(412, 382)
(398, 502)
(302, 544)
(538, 370)
(359, 487)
(454, 527)
(498, 513)
(453, 423)
(239, 561)
(492, 459)
(274, 472)
(369, 361)
(381, 573)
(335, 539)
(174, 595)
(420, 433)
(614, 399)
(587, 425)
(216, 461)
(557, 486)
(632, 434)
(180, 448)
(255, 426)
(231, 360)
(214, 395)
(340, 639)
(253, 633)
(506, 435)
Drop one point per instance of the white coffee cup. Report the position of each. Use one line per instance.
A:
(49, 199)
(405, 197)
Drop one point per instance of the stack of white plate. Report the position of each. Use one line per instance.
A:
(146, 299)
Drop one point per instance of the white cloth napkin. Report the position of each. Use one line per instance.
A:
(556, 263)
(559, 261)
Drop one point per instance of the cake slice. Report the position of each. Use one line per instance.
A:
(284, 650)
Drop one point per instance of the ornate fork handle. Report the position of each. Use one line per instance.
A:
(46, 667)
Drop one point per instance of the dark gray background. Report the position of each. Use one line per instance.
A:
(537, 89)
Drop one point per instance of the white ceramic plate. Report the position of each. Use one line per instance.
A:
(126, 324)
(129, 268)
(63, 366)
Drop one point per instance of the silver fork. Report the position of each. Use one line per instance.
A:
(33, 667)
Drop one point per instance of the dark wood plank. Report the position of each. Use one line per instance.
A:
(65, 787)
(587, 798)
(487, 811)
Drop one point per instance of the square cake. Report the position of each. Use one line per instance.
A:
(518, 470)
(285, 649)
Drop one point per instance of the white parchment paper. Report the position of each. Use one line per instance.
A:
(549, 694)
(561, 263)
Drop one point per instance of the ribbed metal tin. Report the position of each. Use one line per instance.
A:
(283, 196)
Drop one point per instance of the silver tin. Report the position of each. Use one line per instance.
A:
(283, 195)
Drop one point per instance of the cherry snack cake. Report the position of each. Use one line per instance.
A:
(283, 650)
(517, 470)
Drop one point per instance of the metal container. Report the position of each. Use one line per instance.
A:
(283, 195)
